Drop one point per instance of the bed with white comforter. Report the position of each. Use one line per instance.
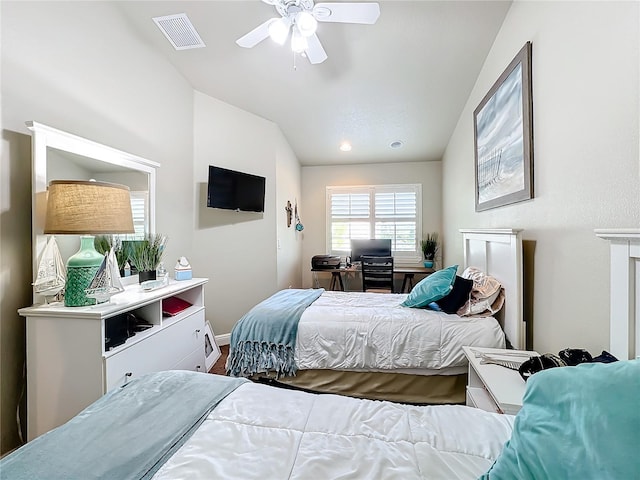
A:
(366, 345)
(260, 432)
(360, 331)
(186, 425)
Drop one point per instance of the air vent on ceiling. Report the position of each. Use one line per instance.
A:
(179, 31)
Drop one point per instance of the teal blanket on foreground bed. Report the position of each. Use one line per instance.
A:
(265, 338)
(127, 434)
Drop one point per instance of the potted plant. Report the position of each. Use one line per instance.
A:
(104, 243)
(146, 255)
(429, 248)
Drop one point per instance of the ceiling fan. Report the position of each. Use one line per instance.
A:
(301, 17)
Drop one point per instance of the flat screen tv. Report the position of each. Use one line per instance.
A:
(234, 190)
(375, 247)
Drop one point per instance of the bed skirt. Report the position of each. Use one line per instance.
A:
(394, 387)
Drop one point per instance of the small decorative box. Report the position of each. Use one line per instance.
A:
(182, 269)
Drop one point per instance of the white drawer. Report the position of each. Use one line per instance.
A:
(186, 335)
(479, 398)
(161, 351)
(194, 362)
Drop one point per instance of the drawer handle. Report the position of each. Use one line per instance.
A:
(198, 368)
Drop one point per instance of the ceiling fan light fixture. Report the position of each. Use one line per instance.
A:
(279, 30)
(307, 24)
(301, 17)
(298, 41)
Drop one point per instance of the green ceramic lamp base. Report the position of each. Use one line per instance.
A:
(81, 268)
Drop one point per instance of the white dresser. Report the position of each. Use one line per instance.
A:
(68, 366)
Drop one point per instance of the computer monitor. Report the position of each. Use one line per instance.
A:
(375, 247)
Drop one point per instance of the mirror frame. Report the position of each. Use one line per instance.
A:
(45, 137)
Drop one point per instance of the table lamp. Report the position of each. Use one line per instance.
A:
(86, 207)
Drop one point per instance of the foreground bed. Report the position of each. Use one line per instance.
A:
(370, 345)
(576, 422)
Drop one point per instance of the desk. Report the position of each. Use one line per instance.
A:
(408, 273)
(336, 276)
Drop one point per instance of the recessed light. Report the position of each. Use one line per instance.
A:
(345, 147)
(396, 144)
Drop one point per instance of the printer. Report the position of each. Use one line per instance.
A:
(325, 262)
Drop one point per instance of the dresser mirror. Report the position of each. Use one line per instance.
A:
(58, 155)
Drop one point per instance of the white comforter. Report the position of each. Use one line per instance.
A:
(369, 331)
(267, 433)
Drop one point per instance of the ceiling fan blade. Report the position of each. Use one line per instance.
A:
(315, 52)
(364, 12)
(256, 35)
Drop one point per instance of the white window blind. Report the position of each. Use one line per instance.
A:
(375, 211)
(140, 212)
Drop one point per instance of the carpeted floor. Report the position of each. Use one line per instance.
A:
(218, 367)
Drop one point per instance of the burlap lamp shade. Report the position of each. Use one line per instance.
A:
(80, 207)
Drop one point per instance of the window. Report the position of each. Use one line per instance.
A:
(375, 211)
(140, 212)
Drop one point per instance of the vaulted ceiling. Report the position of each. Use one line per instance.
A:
(406, 78)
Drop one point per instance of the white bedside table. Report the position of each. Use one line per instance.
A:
(495, 388)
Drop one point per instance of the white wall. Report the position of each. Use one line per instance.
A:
(289, 241)
(586, 156)
(238, 251)
(63, 65)
(316, 179)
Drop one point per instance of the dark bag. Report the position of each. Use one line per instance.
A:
(575, 356)
(567, 357)
(542, 362)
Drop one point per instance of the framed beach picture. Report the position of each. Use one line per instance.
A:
(503, 137)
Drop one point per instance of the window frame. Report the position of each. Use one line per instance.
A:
(400, 256)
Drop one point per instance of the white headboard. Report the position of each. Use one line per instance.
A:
(624, 336)
(498, 252)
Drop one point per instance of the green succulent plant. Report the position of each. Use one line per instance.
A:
(430, 245)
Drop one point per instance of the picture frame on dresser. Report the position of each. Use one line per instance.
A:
(211, 349)
(503, 137)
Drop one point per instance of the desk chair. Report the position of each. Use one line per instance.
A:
(377, 274)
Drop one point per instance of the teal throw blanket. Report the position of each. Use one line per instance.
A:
(265, 338)
(127, 434)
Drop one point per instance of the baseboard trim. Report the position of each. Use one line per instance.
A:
(223, 339)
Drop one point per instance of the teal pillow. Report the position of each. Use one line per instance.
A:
(432, 288)
(576, 422)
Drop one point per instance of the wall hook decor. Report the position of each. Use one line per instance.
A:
(288, 209)
(299, 226)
